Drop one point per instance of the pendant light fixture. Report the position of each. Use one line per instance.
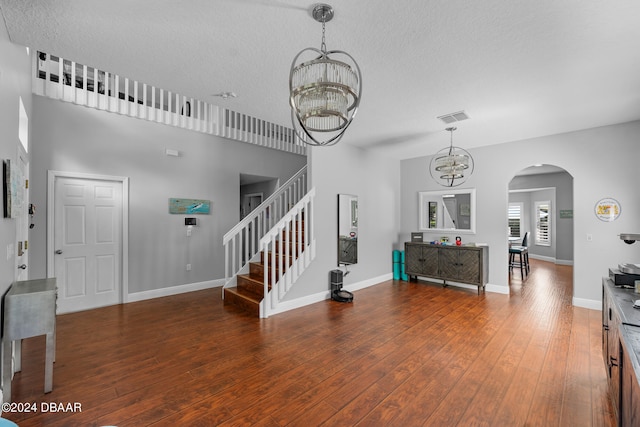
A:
(324, 92)
(452, 165)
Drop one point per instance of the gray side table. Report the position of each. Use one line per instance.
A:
(29, 311)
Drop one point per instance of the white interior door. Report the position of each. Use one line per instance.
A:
(88, 216)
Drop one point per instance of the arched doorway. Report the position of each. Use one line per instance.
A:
(541, 202)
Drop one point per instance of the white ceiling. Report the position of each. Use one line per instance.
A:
(519, 68)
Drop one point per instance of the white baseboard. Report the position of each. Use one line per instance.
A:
(173, 290)
(321, 296)
(551, 259)
(587, 303)
(497, 289)
(369, 282)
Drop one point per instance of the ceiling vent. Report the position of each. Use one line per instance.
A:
(454, 117)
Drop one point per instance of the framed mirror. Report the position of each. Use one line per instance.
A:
(448, 210)
(347, 229)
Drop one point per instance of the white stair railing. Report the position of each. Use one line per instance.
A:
(289, 248)
(241, 243)
(62, 79)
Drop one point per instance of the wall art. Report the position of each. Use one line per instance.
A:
(189, 206)
(607, 209)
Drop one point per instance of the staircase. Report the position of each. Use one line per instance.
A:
(250, 288)
(261, 267)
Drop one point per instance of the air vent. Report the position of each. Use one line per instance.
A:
(454, 117)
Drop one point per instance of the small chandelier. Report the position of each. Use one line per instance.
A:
(451, 166)
(324, 92)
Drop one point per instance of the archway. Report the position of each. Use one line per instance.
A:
(541, 202)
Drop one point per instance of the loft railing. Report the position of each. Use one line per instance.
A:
(70, 81)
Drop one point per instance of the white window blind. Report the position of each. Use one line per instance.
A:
(543, 223)
(515, 219)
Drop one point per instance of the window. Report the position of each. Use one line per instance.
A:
(515, 219)
(543, 223)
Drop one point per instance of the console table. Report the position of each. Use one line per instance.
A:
(464, 264)
(29, 311)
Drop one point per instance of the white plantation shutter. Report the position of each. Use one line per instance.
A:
(515, 219)
(543, 223)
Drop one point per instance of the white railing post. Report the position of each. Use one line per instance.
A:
(259, 222)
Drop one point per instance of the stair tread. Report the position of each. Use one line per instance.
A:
(247, 295)
(251, 278)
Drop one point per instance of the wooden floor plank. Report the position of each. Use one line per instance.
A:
(401, 354)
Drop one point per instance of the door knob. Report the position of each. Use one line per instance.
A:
(59, 251)
(22, 266)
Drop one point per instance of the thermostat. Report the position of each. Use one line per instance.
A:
(190, 221)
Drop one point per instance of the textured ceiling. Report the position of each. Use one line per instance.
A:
(519, 68)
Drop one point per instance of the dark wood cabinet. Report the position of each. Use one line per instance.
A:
(621, 351)
(421, 260)
(463, 264)
(629, 383)
(610, 346)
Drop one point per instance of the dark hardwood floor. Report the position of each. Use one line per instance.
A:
(402, 354)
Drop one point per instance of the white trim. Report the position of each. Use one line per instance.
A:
(504, 290)
(51, 180)
(369, 282)
(174, 290)
(551, 259)
(587, 303)
(542, 257)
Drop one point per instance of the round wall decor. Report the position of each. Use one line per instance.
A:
(607, 209)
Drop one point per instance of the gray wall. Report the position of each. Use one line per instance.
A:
(561, 249)
(15, 82)
(343, 169)
(603, 163)
(71, 138)
(267, 188)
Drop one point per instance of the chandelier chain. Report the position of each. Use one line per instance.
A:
(323, 46)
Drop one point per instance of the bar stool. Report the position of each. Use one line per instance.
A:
(523, 257)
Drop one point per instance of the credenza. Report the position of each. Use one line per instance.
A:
(463, 264)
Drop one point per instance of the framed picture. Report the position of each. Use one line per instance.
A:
(13, 185)
(189, 206)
